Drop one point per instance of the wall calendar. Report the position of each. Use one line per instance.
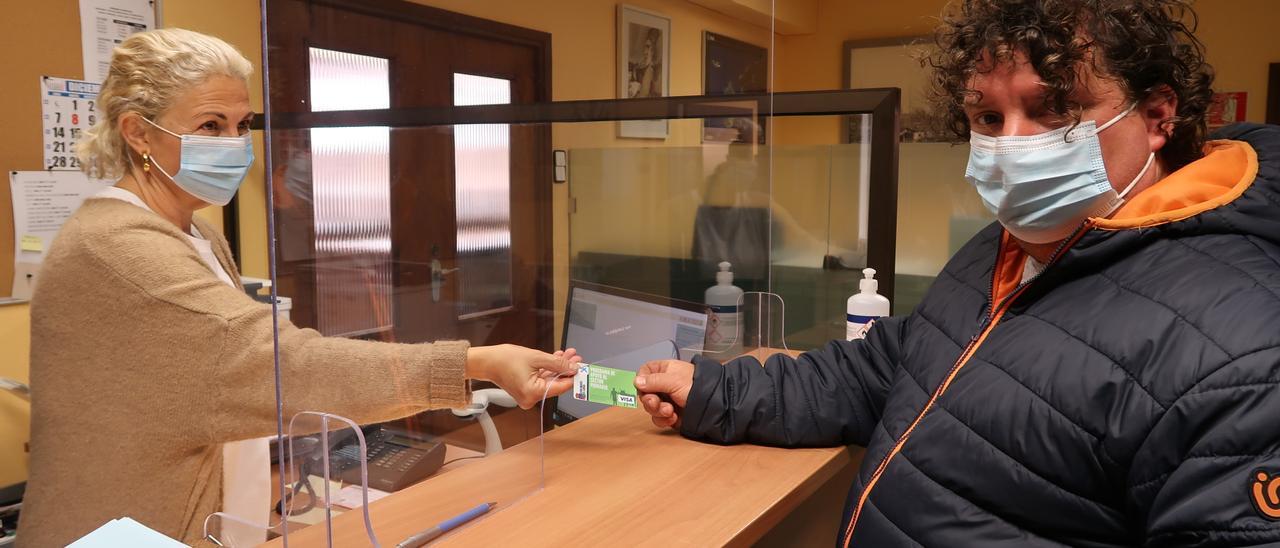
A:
(69, 109)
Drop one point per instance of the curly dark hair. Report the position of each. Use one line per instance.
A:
(1144, 45)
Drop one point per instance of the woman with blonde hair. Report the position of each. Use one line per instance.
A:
(151, 370)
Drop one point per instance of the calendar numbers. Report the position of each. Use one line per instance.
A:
(70, 107)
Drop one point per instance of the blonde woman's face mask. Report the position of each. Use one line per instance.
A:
(219, 107)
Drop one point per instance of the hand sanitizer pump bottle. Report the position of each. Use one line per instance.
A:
(723, 338)
(865, 306)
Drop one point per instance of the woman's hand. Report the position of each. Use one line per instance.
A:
(523, 372)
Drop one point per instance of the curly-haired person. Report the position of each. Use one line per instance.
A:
(1098, 368)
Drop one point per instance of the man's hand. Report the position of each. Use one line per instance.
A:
(523, 372)
(664, 389)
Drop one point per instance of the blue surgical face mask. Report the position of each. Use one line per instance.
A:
(1041, 187)
(211, 168)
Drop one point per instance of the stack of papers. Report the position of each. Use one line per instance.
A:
(125, 532)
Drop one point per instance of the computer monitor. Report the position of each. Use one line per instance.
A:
(624, 329)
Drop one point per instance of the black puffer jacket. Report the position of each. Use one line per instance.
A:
(1126, 396)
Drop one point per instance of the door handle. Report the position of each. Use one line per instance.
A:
(438, 272)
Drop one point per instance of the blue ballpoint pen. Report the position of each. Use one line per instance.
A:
(445, 526)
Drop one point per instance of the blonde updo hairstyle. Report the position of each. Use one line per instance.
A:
(149, 70)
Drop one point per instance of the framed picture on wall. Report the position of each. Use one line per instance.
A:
(644, 65)
(1273, 93)
(896, 62)
(1226, 108)
(733, 67)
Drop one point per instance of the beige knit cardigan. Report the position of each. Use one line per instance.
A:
(143, 363)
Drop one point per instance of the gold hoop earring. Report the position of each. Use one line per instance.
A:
(146, 163)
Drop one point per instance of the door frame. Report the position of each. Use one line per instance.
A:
(540, 43)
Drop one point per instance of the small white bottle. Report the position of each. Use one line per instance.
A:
(723, 337)
(865, 307)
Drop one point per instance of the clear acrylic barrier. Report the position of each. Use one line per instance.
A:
(764, 322)
(380, 261)
(429, 206)
(325, 470)
(793, 219)
(759, 330)
(365, 251)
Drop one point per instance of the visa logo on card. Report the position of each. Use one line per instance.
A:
(605, 385)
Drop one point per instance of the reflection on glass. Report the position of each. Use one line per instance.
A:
(659, 219)
(351, 174)
(482, 182)
(937, 213)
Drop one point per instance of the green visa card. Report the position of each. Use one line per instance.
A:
(606, 385)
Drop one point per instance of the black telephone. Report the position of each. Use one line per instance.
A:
(396, 460)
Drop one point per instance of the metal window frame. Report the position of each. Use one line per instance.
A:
(883, 104)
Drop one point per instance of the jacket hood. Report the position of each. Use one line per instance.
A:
(1233, 189)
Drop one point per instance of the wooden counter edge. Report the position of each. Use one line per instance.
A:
(772, 516)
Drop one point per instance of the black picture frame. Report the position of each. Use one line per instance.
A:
(639, 29)
(733, 67)
(1273, 93)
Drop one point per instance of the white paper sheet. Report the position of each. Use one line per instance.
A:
(125, 532)
(106, 23)
(42, 201)
(69, 107)
(351, 496)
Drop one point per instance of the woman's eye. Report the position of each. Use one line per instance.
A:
(210, 126)
(243, 128)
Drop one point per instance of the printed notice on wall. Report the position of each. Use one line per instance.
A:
(42, 201)
(69, 109)
(106, 23)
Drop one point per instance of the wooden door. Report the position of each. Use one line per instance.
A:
(488, 282)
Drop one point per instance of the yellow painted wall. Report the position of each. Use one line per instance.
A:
(814, 61)
(15, 414)
(1240, 42)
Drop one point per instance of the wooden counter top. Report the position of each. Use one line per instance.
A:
(612, 479)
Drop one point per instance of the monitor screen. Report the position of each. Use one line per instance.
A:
(623, 330)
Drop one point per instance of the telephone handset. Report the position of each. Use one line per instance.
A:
(395, 460)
